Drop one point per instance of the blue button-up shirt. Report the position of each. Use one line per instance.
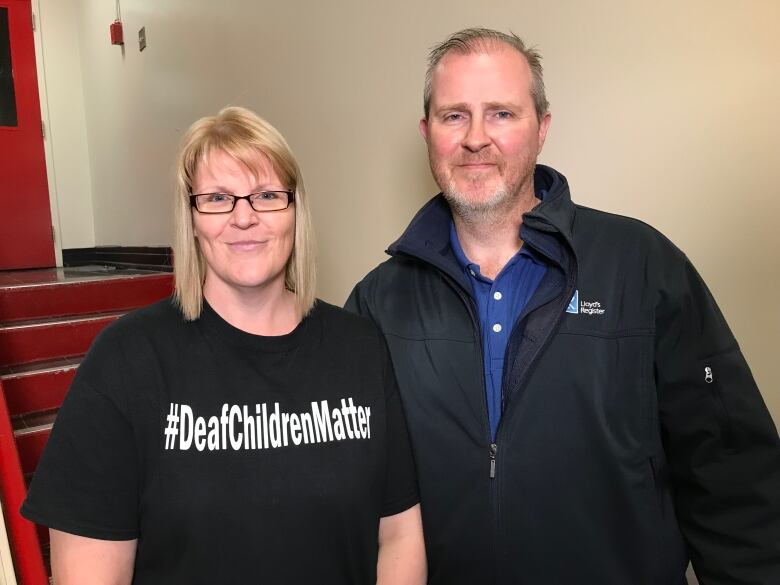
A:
(499, 304)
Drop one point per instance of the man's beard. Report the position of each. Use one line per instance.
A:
(486, 210)
(490, 207)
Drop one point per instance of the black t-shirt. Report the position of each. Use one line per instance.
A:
(231, 457)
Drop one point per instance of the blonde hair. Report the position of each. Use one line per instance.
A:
(242, 135)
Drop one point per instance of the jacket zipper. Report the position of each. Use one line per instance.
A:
(493, 446)
(471, 310)
(468, 302)
(493, 449)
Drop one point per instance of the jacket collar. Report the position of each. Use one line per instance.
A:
(556, 212)
(427, 236)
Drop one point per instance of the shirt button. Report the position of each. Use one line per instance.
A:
(497, 295)
(497, 328)
(472, 272)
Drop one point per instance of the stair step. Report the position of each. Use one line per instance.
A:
(48, 319)
(47, 339)
(39, 386)
(21, 301)
(31, 434)
(31, 438)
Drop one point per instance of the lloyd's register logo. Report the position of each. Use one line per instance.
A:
(576, 306)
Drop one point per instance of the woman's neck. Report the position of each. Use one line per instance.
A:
(268, 310)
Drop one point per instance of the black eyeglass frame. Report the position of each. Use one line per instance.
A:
(290, 200)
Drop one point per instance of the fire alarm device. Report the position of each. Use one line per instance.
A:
(117, 38)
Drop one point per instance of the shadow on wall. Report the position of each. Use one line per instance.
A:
(354, 241)
(413, 159)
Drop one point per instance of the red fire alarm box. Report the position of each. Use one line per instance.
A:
(117, 38)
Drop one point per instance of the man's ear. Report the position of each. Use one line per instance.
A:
(423, 127)
(544, 126)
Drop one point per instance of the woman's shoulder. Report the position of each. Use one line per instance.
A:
(126, 350)
(153, 319)
(141, 329)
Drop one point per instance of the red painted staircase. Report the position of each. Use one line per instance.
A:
(48, 319)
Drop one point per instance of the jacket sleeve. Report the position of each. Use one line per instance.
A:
(353, 303)
(356, 302)
(720, 441)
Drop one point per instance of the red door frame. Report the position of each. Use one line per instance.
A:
(26, 236)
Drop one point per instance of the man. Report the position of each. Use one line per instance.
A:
(580, 411)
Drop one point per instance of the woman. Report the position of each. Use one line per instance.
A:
(241, 432)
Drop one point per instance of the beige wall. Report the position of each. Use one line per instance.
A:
(66, 138)
(666, 111)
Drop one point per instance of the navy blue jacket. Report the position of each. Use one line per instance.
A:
(633, 435)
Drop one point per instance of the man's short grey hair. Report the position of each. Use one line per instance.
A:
(473, 40)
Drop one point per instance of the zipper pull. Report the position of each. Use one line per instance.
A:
(493, 452)
(708, 377)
